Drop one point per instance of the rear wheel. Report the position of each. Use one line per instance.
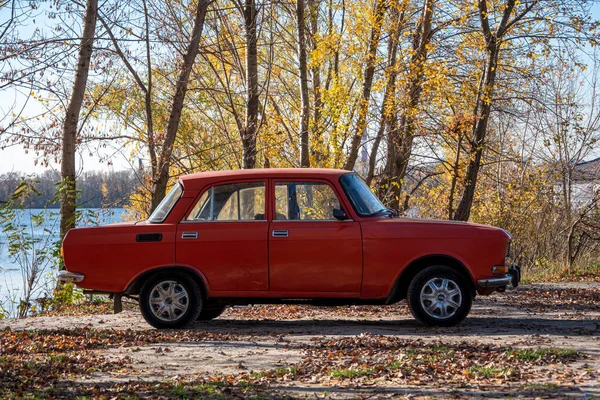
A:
(170, 300)
(211, 312)
(439, 296)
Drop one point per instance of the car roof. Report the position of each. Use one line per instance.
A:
(199, 179)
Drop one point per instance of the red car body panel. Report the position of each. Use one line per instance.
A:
(110, 257)
(243, 268)
(358, 258)
(327, 258)
(402, 241)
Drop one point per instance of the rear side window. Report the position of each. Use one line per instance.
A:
(166, 205)
(232, 202)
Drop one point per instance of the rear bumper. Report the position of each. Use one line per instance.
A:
(513, 277)
(66, 276)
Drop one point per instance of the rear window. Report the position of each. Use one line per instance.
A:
(166, 205)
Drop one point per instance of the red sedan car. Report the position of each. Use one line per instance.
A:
(310, 236)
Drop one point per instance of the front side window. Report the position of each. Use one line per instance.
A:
(166, 205)
(362, 198)
(305, 201)
(233, 202)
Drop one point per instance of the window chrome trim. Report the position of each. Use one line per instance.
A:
(264, 220)
(199, 221)
(212, 204)
(260, 184)
(312, 220)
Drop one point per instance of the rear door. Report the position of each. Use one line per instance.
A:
(225, 237)
(309, 249)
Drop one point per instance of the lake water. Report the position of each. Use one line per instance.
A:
(11, 280)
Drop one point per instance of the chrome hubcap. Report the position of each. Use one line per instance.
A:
(441, 298)
(169, 300)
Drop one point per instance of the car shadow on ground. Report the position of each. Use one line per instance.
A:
(473, 326)
(491, 391)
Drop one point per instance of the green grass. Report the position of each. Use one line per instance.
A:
(541, 385)
(541, 353)
(543, 270)
(348, 373)
(394, 365)
(189, 390)
(491, 372)
(397, 365)
(58, 358)
(293, 370)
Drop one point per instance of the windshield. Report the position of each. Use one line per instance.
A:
(165, 206)
(363, 200)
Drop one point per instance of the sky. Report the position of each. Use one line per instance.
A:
(16, 159)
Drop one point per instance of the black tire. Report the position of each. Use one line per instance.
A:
(174, 318)
(211, 312)
(443, 300)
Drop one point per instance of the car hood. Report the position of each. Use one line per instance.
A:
(441, 228)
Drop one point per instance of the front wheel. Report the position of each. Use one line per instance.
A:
(170, 300)
(439, 296)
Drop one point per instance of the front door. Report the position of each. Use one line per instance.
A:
(225, 237)
(309, 249)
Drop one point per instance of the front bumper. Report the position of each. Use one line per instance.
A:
(498, 281)
(513, 277)
(66, 276)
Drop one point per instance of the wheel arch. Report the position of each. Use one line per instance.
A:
(136, 283)
(400, 288)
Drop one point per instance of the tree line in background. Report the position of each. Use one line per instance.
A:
(95, 189)
(467, 110)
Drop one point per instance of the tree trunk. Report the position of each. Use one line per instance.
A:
(388, 105)
(363, 109)
(304, 105)
(401, 141)
(148, 99)
(164, 163)
(69, 133)
(313, 8)
(250, 129)
(484, 101)
(484, 106)
(455, 168)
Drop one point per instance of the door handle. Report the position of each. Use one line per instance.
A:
(189, 235)
(281, 234)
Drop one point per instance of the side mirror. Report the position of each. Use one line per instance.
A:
(340, 214)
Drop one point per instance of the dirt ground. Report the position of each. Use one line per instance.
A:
(341, 350)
